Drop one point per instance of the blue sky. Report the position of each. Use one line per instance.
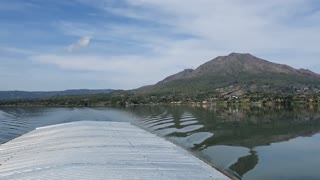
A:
(99, 44)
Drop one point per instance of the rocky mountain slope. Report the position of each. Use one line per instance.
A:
(243, 71)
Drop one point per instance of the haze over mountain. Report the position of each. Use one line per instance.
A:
(235, 74)
(243, 71)
(14, 95)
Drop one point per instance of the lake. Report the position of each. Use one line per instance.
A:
(250, 142)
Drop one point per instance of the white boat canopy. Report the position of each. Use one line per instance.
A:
(98, 150)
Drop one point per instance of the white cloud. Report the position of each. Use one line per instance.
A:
(81, 43)
(242, 25)
(283, 31)
(19, 51)
(221, 25)
(127, 71)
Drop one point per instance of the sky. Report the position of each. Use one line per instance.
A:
(125, 44)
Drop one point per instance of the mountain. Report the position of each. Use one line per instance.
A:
(14, 95)
(237, 71)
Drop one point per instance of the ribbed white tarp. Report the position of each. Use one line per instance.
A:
(98, 150)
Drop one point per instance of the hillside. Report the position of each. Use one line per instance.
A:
(237, 72)
(15, 95)
(235, 78)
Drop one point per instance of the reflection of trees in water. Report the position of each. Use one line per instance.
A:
(253, 126)
(245, 164)
(244, 126)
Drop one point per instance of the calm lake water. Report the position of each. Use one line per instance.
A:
(249, 142)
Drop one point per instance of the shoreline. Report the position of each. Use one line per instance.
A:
(221, 103)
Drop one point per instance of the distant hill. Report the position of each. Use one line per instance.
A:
(237, 72)
(15, 95)
(235, 78)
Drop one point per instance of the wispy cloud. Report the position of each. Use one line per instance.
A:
(131, 70)
(16, 6)
(262, 28)
(81, 43)
(133, 38)
(194, 33)
(221, 25)
(17, 51)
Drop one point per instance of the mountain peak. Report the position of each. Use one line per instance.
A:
(235, 64)
(232, 58)
(239, 54)
(243, 68)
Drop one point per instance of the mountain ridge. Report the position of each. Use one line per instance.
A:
(244, 60)
(235, 68)
(15, 95)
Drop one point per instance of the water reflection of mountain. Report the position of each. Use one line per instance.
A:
(203, 129)
(244, 164)
(247, 127)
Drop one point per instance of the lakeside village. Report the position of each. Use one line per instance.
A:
(232, 95)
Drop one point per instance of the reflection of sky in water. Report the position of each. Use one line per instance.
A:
(250, 143)
(295, 159)
(191, 140)
(17, 121)
(239, 140)
(224, 156)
